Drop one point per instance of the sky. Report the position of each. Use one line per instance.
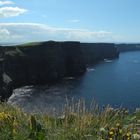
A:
(70, 20)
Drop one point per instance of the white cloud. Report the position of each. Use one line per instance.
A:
(11, 11)
(6, 2)
(74, 20)
(36, 32)
(4, 33)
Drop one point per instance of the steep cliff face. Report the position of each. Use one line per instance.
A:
(74, 60)
(42, 63)
(95, 52)
(5, 81)
(1, 72)
(128, 47)
(45, 62)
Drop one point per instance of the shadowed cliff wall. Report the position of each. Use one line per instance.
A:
(95, 52)
(128, 47)
(45, 62)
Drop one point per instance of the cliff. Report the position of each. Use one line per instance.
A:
(45, 62)
(128, 47)
(95, 52)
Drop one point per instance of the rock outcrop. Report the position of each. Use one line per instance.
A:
(45, 62)
(5, 81)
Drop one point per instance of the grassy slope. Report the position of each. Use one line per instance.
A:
(76, 123)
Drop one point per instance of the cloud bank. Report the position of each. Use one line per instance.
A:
(25, 32)
(11, 11)
(6, 3)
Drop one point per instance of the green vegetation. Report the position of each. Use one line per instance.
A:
(76, 123)
(30, 44)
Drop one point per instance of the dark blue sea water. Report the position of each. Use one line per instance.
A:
(114, 82)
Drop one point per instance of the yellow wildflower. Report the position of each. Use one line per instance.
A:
(3, 116)
(128, 134)
(111, 133)
(112, 128)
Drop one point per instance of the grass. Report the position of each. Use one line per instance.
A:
(30, 44)
(76, 123)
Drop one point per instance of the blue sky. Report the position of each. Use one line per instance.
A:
(81, 20)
